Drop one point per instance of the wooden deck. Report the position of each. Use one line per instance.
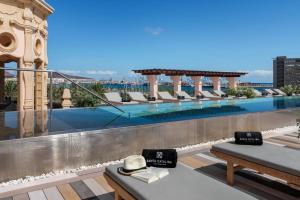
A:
(90, 186)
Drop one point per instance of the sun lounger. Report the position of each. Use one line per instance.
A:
(209, 95)
(187, 96)
(181, 183)
(271, 92)
(165, 96)
(222, 94)
(257, 93)
(268, 159)
(278, 91)
(139, 97)
(115, 98)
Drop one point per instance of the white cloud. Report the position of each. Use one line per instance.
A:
(89, 72)
(100, 72)
(154, 30)
(260, 73)
(70, 71)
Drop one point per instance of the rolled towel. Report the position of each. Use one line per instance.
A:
(180, 97)
(151, 99)
(248, 138)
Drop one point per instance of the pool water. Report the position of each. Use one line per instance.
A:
(82, 119)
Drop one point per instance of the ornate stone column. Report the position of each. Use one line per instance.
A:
(41, 79)
(176, 84)
(27, 77)
(216, 83)
(153, 85)
(2, 83)
(198, 84)
(45, 74)
(232, 82)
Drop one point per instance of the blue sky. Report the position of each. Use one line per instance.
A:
(108, 38)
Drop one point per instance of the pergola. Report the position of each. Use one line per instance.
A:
(196, 76)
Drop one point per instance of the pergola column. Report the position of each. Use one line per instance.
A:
(176, 83)
(153, 85)
(216, 82)
(198, 84)
(2, 83)
(232, 82)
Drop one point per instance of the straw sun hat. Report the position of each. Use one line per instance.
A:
(133, 164)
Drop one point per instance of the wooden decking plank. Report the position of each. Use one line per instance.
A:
(37, 195)
(82, 190)
(95, 187)
(23, 196)
(293, 135)
(67, 192)
(289, 139)
(209, 157)
(192, 162)
(244, 184)
(102, 181)
(289, 144)
(274, 143)
(53, 193)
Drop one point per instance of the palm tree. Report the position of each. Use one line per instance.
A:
(11, 89)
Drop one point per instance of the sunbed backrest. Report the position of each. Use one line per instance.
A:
(208, 94)
(113, 96)
(137, 96)
(165, 95)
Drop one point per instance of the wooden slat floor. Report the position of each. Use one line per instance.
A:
(94, 186)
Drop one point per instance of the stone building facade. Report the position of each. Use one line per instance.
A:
(23, 39)
(286, 71)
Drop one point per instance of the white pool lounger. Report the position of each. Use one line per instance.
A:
(280, 92)
(165, 96)
(139, 97)
(115, 98)
(221, 94)
(187, 96)
(209, 95)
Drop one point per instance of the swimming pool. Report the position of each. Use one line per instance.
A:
(105, 117)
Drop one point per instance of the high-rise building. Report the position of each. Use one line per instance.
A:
(286, 71)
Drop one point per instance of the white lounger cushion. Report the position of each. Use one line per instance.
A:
(279, 92)
(165, 95)
(272, 156)
(257, 93)
(219, 93)
(186, 95)
(207, 94)
(181, 183)
(116, 98)
(113, 96)
(137, 96)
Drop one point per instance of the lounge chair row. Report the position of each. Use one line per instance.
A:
(185, 183)
(138, 97)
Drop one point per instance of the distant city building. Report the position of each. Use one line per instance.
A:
(249, 84)
(9, 76)
(286, 71)
(56, 78)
